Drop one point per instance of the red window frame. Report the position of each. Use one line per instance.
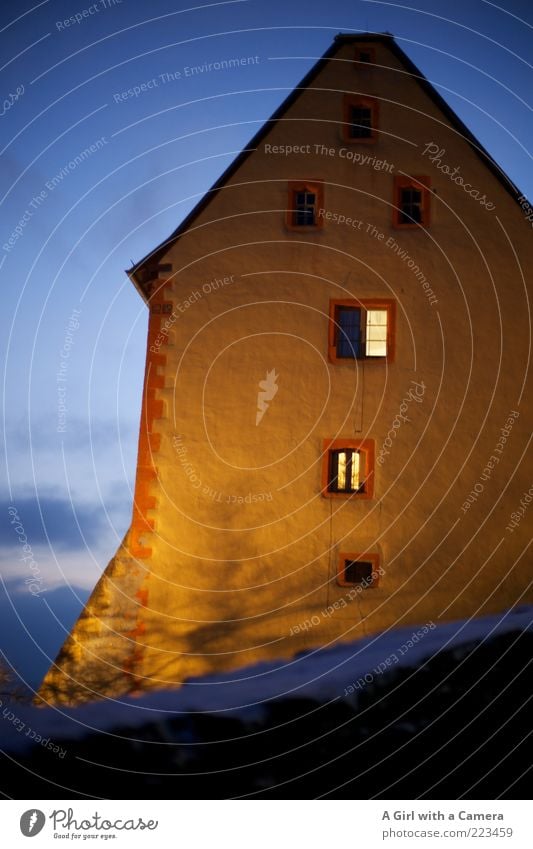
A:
(312, 186)
(421, 184)
(365, 304)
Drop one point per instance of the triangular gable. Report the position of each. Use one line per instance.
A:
(146, 268)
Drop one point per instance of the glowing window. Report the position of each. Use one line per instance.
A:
(361, 330)
(348, 468)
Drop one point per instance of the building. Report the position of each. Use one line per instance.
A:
(335, 411)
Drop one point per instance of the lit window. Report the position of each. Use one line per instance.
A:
(360, 119)
(361, 330)
(361, 570)
(411, 201)
(348, 468)
(345, 470)
(304, 201)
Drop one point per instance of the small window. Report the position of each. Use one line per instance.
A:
(165, 308)
(360, 126)
(365, 55)
(360, 570)
(411, 201)
(348, 468)
(361, 330)
(360, 119)
(304, 202)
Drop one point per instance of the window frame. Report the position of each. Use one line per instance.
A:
(349, 102)
(421, 184)
(364, 446)
(366, 557)
(365, 304)
(296, 186)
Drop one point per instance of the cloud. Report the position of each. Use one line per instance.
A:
(54, 521)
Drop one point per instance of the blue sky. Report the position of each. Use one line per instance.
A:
(75, 228)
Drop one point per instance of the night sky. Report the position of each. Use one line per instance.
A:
(129, 83)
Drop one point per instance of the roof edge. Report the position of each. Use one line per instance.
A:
(139, 271)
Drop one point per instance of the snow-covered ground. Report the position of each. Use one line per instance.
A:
(323, 675)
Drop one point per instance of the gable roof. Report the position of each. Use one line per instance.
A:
(146, 268)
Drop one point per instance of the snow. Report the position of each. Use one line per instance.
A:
(322, 675)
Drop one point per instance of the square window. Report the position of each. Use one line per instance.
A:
(411, 202)
(348, 468)
(360, 570)
(364, 54)
(360, 119)
(304, 201)
(361, 330)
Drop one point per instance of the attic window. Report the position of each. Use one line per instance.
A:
(365, 55)
(411, 202)
(360, 119)
(361, 570)
(348, 468)
(164, 308)
(304, 201)
(361, 330)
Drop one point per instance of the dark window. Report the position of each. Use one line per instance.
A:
(358, 572)
(365, 55)
(410, 206)
(349, 332)
(304, 209)
(360, 122)
(346, 470)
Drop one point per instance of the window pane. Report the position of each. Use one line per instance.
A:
(360, 122)
(357, 571)
(376, 349)
(346, 470)
(348, 332)
(376, 333)
(341, 470)
(377, 317)
(355, 478)
(304, 209)
(410, 206)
